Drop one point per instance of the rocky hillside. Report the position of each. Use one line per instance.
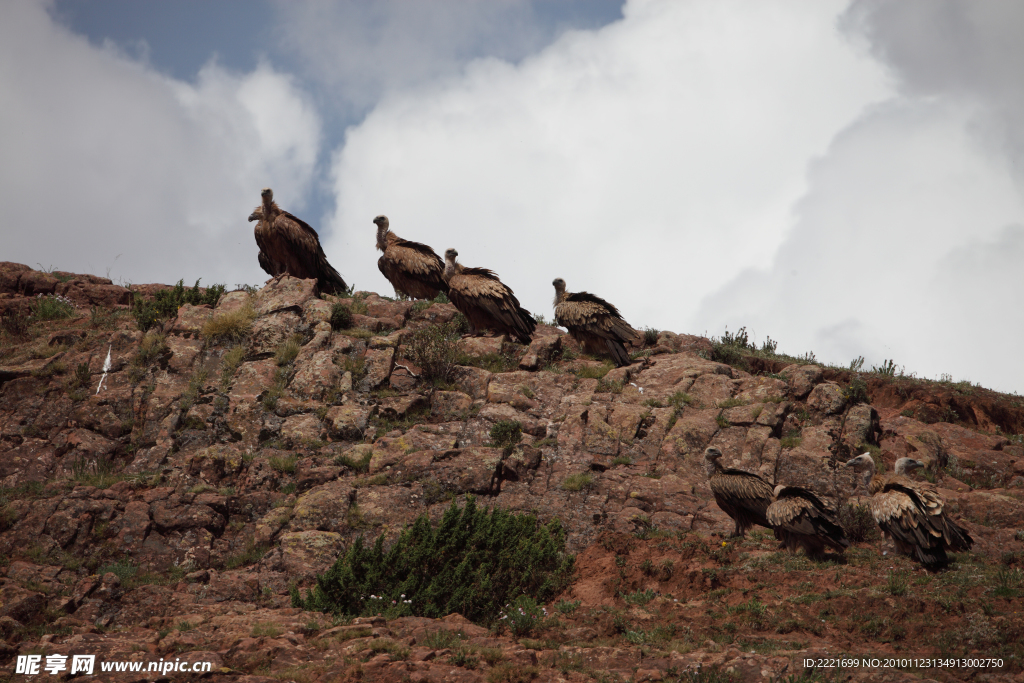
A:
(162, 490)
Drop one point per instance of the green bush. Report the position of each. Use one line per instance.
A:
(475, 562)
(506, 433)
(166, 302)
(52, 307)
(435, 350)
(341, 317)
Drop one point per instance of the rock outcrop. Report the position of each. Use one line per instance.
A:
(169, 479)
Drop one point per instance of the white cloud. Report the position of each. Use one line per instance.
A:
(360, 50)
(903, 239)
(106, 157)
(851, 191)
(647, 161)
(909, 242)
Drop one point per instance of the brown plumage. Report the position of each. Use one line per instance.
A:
(743, 496)
(593, 322)
(802, 520)
(289, 246)
(910, 513)
(412, 268)
(485, 301)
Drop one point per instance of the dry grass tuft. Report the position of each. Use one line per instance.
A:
(232, 326)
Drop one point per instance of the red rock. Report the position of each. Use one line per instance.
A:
(347, 422)
(827, 398)
(801, 378)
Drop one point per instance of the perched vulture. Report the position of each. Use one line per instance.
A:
(593, 322)
(910, 513)
(743, 496)
(412, 268)
(289, 246)
(802, 520)
(485, 301)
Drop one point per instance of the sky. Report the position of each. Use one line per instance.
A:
(844, 176)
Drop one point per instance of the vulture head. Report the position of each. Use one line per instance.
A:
(863, 463)
(256, 215)
(905, 465)
(268, 202)
(559, 284)
(449, 262)
(382, 224)
(778, 490)
(711, 457)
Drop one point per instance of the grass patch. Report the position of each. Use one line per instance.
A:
(285, 464)
(897, 583)
(288, 351)
(474, 562)
(231, 326)
(358, 465)
(592, 371)
(578, 482)
(250, 555)
(230, 363)
(265, 629)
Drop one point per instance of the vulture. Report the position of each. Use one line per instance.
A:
(910, 513)
(593, 322)
(743, 496)
(485, 301)
(289, 246)
(412, 268)
(802, 520)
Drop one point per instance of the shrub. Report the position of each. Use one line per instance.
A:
(165, 303)
(341, 317)
(522, 616)
(858, 523)
(888, 368)
(650, 336)
(506, 433)
(857, 392)
(52, 307)
(14, 324)
(896, 583)
(435, 350)
(473, 563)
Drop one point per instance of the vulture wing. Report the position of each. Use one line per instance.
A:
(929, 515)
(489, 303)
(743, 496)
(803, 520)
(595, 323)
(303, 254)
(412, 268)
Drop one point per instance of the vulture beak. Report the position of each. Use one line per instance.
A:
(254, 216)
